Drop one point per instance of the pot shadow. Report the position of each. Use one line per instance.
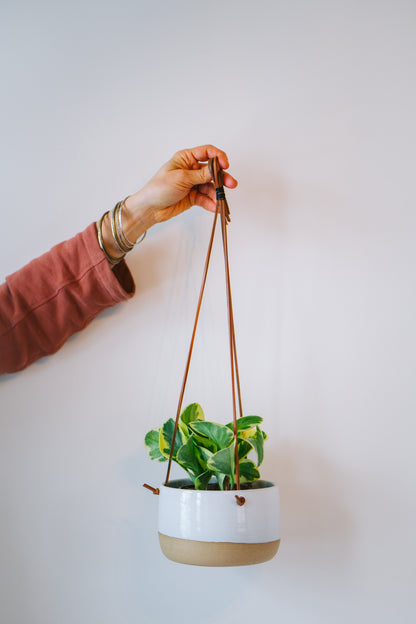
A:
(317, 529)
(317, 524)
(313, 495)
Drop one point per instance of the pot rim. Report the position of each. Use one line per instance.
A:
(180, 486)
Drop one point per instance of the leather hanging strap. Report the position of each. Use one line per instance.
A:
(223, 211)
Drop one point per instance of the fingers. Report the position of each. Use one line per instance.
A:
(205, 195)
(202, 153)
(198, 176)
(203, 175)
(205, 201)
(207, 189)
(229, 181)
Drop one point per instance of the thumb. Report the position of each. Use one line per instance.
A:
(199, 176)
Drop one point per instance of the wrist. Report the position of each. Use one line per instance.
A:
(138, 215)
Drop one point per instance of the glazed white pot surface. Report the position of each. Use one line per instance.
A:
(215, 516)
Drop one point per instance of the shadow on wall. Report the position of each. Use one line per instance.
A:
(147, 264)
(262, 197)
(313, 496)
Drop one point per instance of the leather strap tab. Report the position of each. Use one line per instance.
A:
(217, 175)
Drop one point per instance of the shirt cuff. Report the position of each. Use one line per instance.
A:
(117, 280)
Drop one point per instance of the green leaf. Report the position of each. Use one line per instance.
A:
(246, 422)
(205, 443)
(223, 481)
(224, 462)
(184, 429)
(203, 455)
(151, 442)
(191, 476)
(186, 457)
(166, 437)
(202, 480)
(258, 444)
(244, 448)
(193, 412)
(248, 471)
(219, 434)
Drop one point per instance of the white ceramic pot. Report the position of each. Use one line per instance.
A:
(209, 528)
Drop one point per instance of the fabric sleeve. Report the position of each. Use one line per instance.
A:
(56, 295)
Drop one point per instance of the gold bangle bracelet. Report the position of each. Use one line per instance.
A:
(129, 242)
(118, 239)
(111, 259)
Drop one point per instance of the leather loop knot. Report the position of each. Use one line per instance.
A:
(220, 193)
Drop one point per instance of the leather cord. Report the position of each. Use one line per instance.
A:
(223, 211)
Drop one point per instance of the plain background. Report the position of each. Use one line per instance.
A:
(314, 103)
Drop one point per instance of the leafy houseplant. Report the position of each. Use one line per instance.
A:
(206, 450)
(199, 520)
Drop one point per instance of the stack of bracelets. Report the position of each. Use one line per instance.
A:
(120, 239)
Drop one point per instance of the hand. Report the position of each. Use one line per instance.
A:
(182, 182)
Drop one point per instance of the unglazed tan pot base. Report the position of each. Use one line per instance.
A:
(217, 554)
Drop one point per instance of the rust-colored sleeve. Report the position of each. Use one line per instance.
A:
(56, 295)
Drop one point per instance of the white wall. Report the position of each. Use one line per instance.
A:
(314, 103)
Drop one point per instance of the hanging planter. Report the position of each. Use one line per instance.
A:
(210, 528)
(224, 515)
